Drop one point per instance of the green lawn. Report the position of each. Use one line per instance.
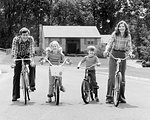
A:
(137, 72)
(6, 59)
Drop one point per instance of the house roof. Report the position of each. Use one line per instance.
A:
(71, 31)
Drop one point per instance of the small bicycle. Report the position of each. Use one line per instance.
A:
(56, 71)
(24, 79)
(118, 80)
(87, 90)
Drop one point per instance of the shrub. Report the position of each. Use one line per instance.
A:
(100, 50)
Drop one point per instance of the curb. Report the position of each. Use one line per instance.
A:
(133, 63)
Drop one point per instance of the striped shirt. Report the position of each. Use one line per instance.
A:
(55, 58)
(21, 48)
(119, 43)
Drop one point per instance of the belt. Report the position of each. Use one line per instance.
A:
(119, 50)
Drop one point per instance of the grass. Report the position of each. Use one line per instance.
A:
(144, 73)
(6, 59)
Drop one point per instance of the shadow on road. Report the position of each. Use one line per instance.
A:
(21, 103)
(60, 104)
(123, 106)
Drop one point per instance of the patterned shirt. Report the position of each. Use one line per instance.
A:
(21, 48)
(90, 61)
(119, 43)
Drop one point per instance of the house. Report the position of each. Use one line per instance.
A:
(73, 39)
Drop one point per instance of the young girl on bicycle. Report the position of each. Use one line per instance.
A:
(55, 56)
(90, 60)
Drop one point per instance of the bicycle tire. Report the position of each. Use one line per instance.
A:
(116, 91)
(91, 89)
(57, 91)
(24, 90)
(27, 84)
(85, 91)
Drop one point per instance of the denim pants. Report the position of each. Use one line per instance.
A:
(16, 78)
(112, 69)
(93, 82)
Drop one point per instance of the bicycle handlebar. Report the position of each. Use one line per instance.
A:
(118, 58)
(88, 67)
(20, 59)
(56, 65)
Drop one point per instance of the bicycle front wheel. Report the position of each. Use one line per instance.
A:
(25, 80)
(85, 91)
(56, 92)
(27, 84)
(24, 90)
(116, 91)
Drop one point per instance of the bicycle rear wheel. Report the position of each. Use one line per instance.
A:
(85, 91)
(116, 91)
(56, 92)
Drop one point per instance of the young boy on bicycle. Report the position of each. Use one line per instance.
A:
(90, 60)
(55, 56)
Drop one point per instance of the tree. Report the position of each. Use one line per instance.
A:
(67, 13)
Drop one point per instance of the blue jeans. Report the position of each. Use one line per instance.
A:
(112, 69)
(16, 78)
(93, 82)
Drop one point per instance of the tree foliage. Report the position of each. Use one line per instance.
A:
(15, 14)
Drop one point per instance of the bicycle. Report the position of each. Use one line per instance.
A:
(118, 80)
(87, 90)
(24, 78)
(56, 71)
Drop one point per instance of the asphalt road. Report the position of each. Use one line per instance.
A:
(71, 105)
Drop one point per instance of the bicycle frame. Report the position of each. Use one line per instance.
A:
(56, 76)
(24, 80)
(86, 90)
(118, 79)
(119, 60)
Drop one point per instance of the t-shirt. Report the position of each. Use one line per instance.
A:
(90, 61)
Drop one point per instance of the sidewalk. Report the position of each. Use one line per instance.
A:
(133, 63)
(1, 59)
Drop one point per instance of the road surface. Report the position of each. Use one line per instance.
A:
(71, 105)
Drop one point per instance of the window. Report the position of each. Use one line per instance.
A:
(90, 41)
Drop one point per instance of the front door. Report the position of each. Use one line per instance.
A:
(73, 45)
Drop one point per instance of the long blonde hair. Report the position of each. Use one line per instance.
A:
(50, 48)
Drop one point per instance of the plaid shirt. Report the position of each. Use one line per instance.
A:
(119, 43)
(23, 48)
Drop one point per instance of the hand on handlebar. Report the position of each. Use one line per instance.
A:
(98, 64)
(68, 62)
(42, 61)
(13, 63)
(106, 53)
(32, 63)
(131, 55)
